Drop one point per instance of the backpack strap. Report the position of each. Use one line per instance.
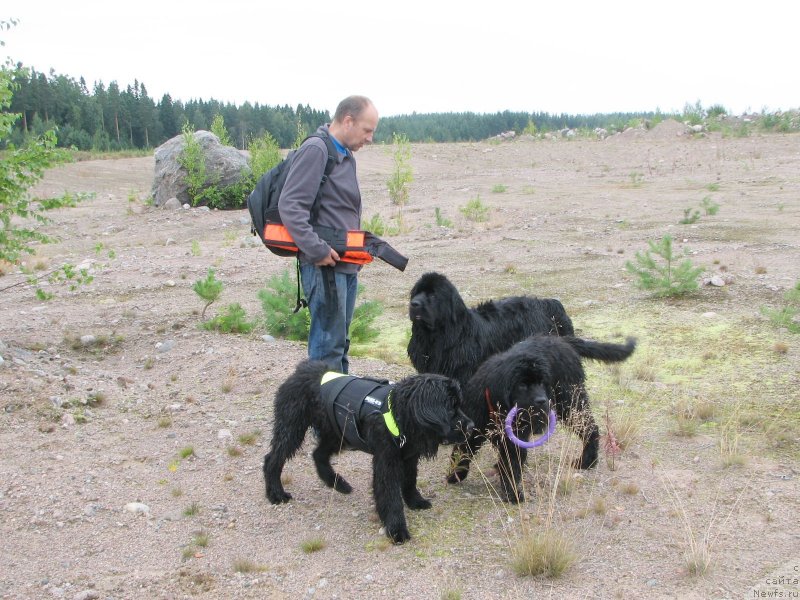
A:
(330, 163)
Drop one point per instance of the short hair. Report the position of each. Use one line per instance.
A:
(353, 106)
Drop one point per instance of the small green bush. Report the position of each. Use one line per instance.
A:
(219, 130)
(710, 207)
(690, 215)
(361, 329)
(265, 153)
(441, 220)
(664, 277)
(232, 320)
(402, 174)
(208, 289)
(475, 210)
(278, 300)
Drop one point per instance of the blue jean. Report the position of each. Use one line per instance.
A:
(328, 336)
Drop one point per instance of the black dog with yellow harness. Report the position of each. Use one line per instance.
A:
(397, 423)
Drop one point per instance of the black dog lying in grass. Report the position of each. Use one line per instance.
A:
(398, 424)
(532, 374)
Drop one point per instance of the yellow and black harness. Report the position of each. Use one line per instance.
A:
(348, 400)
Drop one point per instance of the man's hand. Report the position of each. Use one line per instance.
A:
(330, 260)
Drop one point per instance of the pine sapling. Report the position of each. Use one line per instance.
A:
(664, 277)
(208, 289)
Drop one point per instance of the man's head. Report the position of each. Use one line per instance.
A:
(355, 122)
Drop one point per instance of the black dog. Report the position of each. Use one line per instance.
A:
(451, 339)
(398, 424)
(532, 374)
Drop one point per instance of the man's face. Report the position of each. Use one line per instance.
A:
(360, 131)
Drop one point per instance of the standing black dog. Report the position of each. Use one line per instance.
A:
(397, 423)
(532, 375)
(451, 339)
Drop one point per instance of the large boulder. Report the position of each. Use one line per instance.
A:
(225, 166)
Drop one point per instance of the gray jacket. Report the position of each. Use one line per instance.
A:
(340, 202)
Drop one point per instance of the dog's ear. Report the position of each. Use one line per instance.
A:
(431, 401)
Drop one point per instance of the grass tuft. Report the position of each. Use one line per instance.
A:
(544, 553)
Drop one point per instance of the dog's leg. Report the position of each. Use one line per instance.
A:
(285, 442)
(583, 424)
(509, 466)
(387, 474)
(322, 461)
(461, 457)
(411, 494)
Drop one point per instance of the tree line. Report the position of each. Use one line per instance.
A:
(111, 118)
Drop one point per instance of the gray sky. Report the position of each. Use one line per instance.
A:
(425, 56)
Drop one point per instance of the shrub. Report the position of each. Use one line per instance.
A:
(664, 277)
(475, 210)
(361, 330)
(233, 320)
(402, 174)
(193, 160)
(278, 301)
(441, 221)
(710, 206)
(219, 130)
(264, 154)
(690, 216)
(20, 169)
(208, 289)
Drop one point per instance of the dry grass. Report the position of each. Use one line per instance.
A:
(547, 553)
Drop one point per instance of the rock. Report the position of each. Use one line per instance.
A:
(172, 204)
(88, 340)
(165, 346)
(225, 435)
(717, 281)
(87, 595)
(137, 507)
(225, 166)
(268, 338)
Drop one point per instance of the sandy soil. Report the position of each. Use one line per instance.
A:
(571, 214)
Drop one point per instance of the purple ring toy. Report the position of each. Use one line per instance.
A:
(538, 441)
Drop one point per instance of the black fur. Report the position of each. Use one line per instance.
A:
(451, 339)
(535, 374)
(426, 410)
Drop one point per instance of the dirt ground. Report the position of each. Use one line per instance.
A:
(130, 462)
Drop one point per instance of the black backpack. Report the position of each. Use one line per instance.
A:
(263, 200)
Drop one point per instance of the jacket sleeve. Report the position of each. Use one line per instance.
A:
(297, 200)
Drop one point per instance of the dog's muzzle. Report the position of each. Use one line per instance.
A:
(460, 431)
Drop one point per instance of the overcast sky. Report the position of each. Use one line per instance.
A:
(425, 56)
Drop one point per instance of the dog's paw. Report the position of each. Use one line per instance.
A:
(341, 486)
(583, 463)
(278, 497)
(419, 503)
(399, 534)
(457, 476)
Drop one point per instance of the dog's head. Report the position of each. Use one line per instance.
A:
(515, 379)
(434, 300)
(429, 411)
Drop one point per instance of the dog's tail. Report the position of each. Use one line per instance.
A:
(600, 350)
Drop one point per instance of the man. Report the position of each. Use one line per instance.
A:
(330, 284)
